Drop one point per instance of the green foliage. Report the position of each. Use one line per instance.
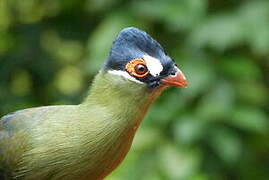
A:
(217, 128)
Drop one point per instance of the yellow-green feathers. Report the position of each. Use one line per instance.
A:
(85, 141)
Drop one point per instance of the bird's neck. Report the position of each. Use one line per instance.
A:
(127, 100)
(118, 106)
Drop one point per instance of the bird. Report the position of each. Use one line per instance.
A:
(89, 140)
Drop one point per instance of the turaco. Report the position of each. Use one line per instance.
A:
(89, 140)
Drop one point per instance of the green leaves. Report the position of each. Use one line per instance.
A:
(227, 145)
(217, 103)
(175, 14)
(246, 25)
(177, 163)
(250, 119)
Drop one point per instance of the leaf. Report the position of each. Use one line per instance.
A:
(217, 103)
(250, 119)
(226, 144)
(21, 83)
(189, 129)
(69, 80)
(255, 18)
(176, 163)
(218, 32)
(176, 14)
(240, 68)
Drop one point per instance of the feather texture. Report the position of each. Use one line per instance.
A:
(85, 141)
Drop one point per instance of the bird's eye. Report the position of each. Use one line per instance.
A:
(137, 68)
(141, 69)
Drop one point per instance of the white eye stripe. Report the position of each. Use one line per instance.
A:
(154, 65)
(125, 75)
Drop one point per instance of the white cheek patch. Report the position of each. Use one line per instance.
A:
(125, 75)
(154, 65)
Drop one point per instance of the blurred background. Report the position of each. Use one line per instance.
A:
(217, 128)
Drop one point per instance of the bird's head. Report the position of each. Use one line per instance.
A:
(137, 57)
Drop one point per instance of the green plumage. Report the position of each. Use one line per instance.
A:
(89, 140)
(85, 141)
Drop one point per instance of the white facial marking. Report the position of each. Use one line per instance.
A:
(154, 65)
(125, 75)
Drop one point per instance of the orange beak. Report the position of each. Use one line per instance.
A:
(178, 79)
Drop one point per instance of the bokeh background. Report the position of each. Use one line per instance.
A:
(217, 128)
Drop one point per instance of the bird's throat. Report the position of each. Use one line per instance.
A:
(123, 104)
(127, 100)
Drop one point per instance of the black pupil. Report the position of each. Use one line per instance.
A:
(141, 69)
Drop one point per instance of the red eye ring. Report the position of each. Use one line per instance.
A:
(134, 66)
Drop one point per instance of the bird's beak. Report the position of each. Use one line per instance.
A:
(178, 79)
